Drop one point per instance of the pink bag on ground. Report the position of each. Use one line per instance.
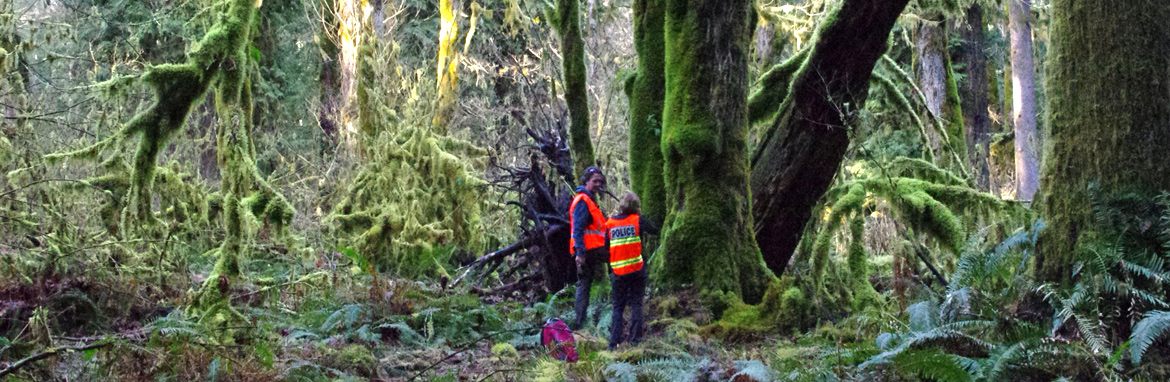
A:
(558, 339)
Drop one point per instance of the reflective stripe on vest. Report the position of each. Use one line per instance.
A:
(595, 232)
(625, 245)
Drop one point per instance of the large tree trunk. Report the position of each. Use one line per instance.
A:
(798, 157)
(1024, 100)
(1109, 113)
(707, 237)
(974, 96)
(645, 91)
(573, 53)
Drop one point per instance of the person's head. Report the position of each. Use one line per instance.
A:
(593, 179)
(630, 204)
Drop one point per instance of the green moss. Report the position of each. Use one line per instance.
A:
(772, 88)
(646, 92)
(863, 293)
(708, 240)
(505, 351)
(953, 114)
(576, 95)
(357, 358)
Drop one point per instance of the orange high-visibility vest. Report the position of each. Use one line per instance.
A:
(625, 245)
(595, 232)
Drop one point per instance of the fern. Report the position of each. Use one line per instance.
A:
(1146, 332)
(347, 316)
(177, 326)
(933, 365)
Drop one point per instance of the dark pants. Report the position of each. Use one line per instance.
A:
(594, 268)
(628, 292)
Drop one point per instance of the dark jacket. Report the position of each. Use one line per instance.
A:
(647, 227)
(581, 220)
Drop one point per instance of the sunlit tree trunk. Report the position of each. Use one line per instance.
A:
(1024, 100)
(707, 237)
(448, 65)
(798, 156)
(645, 91)
(1109, 113)
(573, 66)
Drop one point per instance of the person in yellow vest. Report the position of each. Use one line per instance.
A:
(587, 239)
(628, 277)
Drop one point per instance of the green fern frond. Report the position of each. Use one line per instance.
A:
(933, 365)
(1149, 329)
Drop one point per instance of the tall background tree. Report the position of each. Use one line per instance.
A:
(1110, 117)
(1024, 99)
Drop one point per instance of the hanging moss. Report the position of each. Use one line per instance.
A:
(863, 293)
(645, 91)
(576, 95)
(708, 240)
(413, 201)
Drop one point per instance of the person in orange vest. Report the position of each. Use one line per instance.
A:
(587, 239)
(628, 278)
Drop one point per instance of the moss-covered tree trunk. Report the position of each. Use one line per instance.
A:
(646, 90)
(799, 155)
(974, 92)
(1109, 113)
(707, 237)
(1024, 100)
(937, 80)
(576, 94)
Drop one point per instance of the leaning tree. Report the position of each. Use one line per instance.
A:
(800, 153)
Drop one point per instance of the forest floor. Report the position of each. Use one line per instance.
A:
(329, 324)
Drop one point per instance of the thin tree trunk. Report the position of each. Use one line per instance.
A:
(573, 51)
(798, 157)
(645, 91)
(974, 96)
(1024, 100)
(1109, 113)
(707, 237)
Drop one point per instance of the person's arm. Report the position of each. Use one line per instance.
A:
(581, 220)
(647, 226)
